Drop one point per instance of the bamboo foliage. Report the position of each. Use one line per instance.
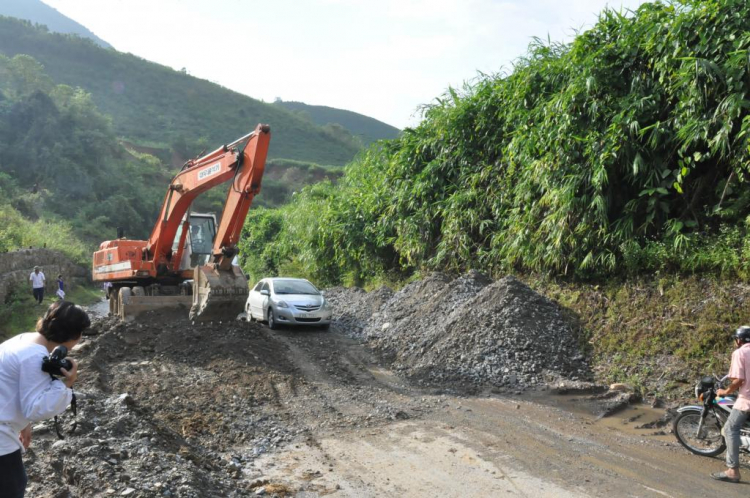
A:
(583, 157)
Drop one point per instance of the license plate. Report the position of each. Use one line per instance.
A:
(307, 315)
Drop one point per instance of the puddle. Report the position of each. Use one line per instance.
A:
(636, 419)
(385, 376)
(639, 420)
(100, 309)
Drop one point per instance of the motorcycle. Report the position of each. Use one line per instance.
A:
(699, 428)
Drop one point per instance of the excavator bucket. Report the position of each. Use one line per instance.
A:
(218, 294)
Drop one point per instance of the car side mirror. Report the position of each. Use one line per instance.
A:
(265, 292)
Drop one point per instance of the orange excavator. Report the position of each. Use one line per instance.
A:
(187, 260)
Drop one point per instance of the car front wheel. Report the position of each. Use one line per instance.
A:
(272, 320)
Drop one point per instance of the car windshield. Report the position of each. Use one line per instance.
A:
(294, 287)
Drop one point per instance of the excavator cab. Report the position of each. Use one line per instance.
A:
(198, 242)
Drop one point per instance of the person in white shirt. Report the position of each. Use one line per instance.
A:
(37, 284)
(27, 394)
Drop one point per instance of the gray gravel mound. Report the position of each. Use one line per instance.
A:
(469, 331)
(355, 307)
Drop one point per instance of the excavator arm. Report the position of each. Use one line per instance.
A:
(219, 289)
(242, 162)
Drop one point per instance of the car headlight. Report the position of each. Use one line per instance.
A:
(326, 306)
(282, 304)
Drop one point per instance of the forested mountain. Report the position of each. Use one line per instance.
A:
(40, 13)
(365, 128)
(155, 105)
(65, 180)
(623, 152)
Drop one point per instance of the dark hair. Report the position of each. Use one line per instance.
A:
(63, 321)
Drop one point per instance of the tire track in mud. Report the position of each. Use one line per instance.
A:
(343, 384)
(331, 358)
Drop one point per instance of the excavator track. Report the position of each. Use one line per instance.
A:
(218, 294)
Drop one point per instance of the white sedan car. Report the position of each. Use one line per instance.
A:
(288, 301)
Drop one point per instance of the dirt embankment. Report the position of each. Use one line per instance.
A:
(658, 334)
(168, 408)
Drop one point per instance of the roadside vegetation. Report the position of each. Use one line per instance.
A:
(624, 152)
(20, 313)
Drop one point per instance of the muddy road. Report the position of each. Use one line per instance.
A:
(174, 409)
(524, 445)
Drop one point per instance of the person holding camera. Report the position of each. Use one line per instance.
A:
(29, 394)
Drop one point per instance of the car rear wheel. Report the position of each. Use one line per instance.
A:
(272, 320)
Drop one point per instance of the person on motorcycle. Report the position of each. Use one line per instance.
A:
(739, 374)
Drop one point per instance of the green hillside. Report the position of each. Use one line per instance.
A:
(64, 178)
(365, 128)
(623, 152)
(153, 104)
(38, 12)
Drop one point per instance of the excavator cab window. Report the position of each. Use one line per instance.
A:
(202, 234)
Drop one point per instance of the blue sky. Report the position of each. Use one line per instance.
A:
(380, 58)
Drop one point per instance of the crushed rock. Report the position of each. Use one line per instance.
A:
(165, 409)
(355, 307)
(468, 331)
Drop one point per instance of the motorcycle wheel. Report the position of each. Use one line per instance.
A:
(709, 443)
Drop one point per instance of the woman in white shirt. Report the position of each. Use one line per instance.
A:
(27, 394)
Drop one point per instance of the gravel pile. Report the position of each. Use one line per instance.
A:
(474, 332)
(355, 307)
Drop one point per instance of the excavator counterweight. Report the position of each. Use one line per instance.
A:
(187, 260)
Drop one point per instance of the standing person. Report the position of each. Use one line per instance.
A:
(27, 394)
(739, 374)
(60, 287)
(37, 284)
(107, 288)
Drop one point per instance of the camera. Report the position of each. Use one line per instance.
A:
(55, 361)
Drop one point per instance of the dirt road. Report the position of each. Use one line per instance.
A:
(480, 446)
(174, 409)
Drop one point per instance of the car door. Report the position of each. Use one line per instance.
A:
(264, 300)
(256, 301)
